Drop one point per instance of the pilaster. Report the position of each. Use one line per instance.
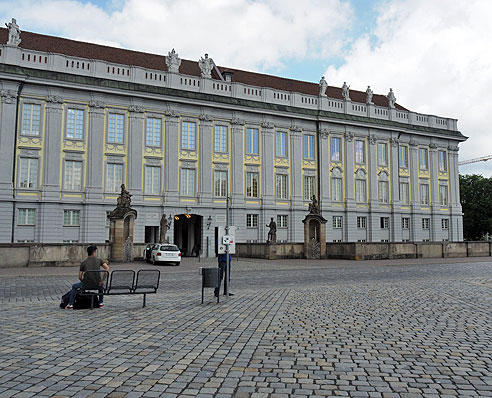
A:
(205, 160)
(395, 227)
(171, 169)
(8, 109)
(415, 220)
(135, 157)
(95, 151)
(296, 166)
(434, 189)
(268, 171)
(237, 162)
(350, 219)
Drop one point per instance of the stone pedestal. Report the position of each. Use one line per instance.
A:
(121, 228)
(314, 236)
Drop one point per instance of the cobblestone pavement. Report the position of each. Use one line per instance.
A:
(406, 328)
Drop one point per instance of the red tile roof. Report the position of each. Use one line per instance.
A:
(58, 45)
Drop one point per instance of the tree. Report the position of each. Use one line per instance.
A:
(476, 201)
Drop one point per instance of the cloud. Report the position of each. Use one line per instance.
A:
(434, 54)
(245, 34)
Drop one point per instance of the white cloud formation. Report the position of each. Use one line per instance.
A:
(435, 55)
(242, 33)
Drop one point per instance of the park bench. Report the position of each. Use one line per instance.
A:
(120, 282)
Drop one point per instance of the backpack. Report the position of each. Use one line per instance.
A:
(81, 302)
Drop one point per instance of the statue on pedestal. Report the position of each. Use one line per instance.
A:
(206, 65)
(14, 33)
(272, 233)
(323, 85)
(173, 61)
(124, 200)
(314, 206)
(369, 94)
(346, 91)
(165, 223)
(391, 98)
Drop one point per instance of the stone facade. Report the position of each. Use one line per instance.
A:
(72, 129)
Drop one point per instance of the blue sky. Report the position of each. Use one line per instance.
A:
(430, 52)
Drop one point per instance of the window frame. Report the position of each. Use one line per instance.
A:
(361, 222)
(249, 178)
(384, 222)
(336, 189)
(117, 116)
(219, 143)
(423, 159)
(403, 159)
(404, 199)
(251, 220)
(281, 186)
(282, 221)
(308, 144)
(191, 135)
(281, 144)
(29, 162)
(155, 190)
(405, 223)
(382, 154)
(223, 191)
(185, 174)
(75, 124)
(308, 181)
(442, 161)
(360, 152)
(445, 223)
(424, 194)
(337, 222)
(117, 186)
(30, 131)
(335, 149)
(383, 192)
(426, 223)
(72, 187)
(153, 132)
(359, 182)
(71, 217)
(443, 199)
(252, 141)
(26, 218)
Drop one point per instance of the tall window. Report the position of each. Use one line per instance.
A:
(188, 135)
(116, 123)
(282, 221)
(360, 191)
(360, 152)
(403, 156)
(252, 220)
(154, 132)
(361, 222)
(443, 164)
(308, 187)
(252, 185)
(382, 154)
(75, 124)
(405, 223)
(426, 223)
(73, 175)
(71, 218)
(424, 193)
(335, 148)
(423, 159)
(31, 119)
(281, 186)
(152, 180)
(188, 182)
(383, 191)
(252, 141)
(114, 177)
(404, 193)
(336, 189)
(220, 139)
(337, 222)
(26, 217)
(443, 194)
(220, 183)
(28, 173)
(280, 144)
(384, 221)
(308, 143)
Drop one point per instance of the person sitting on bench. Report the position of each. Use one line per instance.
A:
(92, 263)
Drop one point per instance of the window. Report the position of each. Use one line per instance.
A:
(152, 180)
(335, 147)
(308, 143)
(220, 183)
(280, 144)
(71, 218)
(220, 139)
(362, 222)
(281, 186)
(153, 133)
(31, 119)
(405, 223)
(336, 189)
(26, 217)
(360, 152)
(382, 154)
(252, 220)
(424, 193)
(443, 164)
(404, 193)
(423, 159)
(188, 182)
(252, 185)
(252, 141)
(114, 177)
(360, 191)
(383, 191)
(443, 194)
(403, 156)
(337, 222)
(115, 128)
(28, 173)
(445, 223)
(282, 221)
(425, 223)
(308, 187)
(188, 135)
(75, 124)
(73, 175)
(384, 221)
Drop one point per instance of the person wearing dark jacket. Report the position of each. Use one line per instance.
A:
(222, 262)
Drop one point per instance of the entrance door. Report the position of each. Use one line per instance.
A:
(188, 233)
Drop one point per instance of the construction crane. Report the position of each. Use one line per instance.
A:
(482, 159)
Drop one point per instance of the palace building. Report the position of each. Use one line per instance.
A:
(78, 120)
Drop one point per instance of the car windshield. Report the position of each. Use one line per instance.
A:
(170, 248)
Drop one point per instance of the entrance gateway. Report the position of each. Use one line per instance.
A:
(188, 233)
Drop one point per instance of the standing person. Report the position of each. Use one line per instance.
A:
(92, 263)
(222, 260)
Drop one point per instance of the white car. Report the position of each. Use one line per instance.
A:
(165, 253)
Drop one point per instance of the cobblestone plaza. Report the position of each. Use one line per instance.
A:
(294, 328)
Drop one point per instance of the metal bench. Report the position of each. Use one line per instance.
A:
(94, 284)
(125, 282)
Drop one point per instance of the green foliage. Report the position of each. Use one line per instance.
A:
(476, 201)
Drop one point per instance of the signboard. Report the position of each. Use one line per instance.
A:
(222, 240)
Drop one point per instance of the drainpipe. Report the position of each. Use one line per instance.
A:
(16, 133)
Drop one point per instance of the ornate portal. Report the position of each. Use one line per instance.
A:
(314, 231)
(121, 229)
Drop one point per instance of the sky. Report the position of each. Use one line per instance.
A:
(434, 54)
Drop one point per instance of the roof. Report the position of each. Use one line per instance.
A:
(74, 48)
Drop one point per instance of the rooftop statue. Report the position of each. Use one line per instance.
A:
(391, 98)
(346, 92)
(206, 65)
(323, 85)
(369, 93)
(173, 62)
(14, 33)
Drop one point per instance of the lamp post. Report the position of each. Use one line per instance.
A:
(228, 264)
